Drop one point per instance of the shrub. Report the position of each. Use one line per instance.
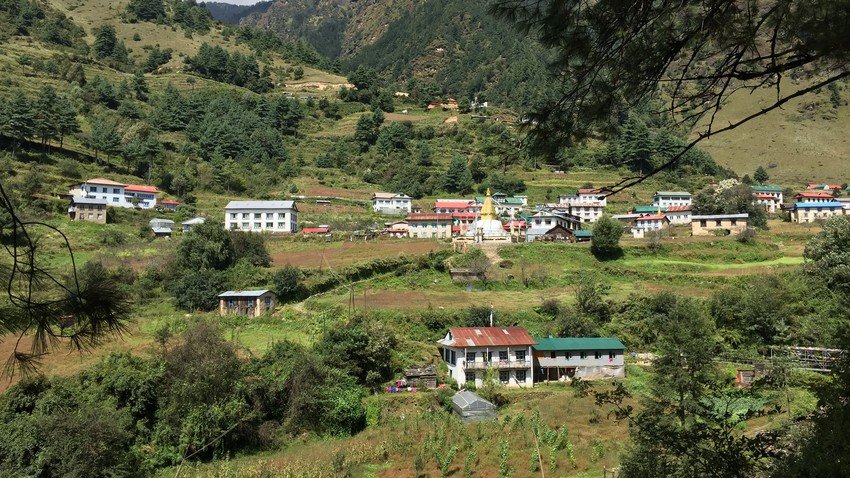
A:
(199, 289)
(606, 238)
(287, 284)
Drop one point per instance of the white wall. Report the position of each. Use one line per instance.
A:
(282, 220)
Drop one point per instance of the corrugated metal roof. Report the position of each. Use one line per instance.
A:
(700, 217)
(161, 230)
(453, 203)
(193, 221)
(814, 194)
(464, 399)
(429, 217)
(583, 233)
(578, 343)
(243, 293)
(105, 181)
(810, 205)
(489, 336)
(88, 200)
(766, 188)
(678, 209)
(158, 220)
(260, 205)
(673, 193)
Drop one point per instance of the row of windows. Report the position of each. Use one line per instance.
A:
(704, 223)
(266, 300)
(504, 376)
(568, 355)
(258, 225)
(99, 216)
(104, 189)
(488, 356)
(257, 215)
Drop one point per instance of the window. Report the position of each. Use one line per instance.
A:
(718, 222)
(232, 215)
(244, 225)
(100, 216)
(489, 356)
(520, 355)
(470, 356)
(504, 377)
(520, 375)
(94, 189)
(453, 357)
(115, 191)
(269, 225)
(597, 355)
(268, 301)
(584, 355)
(231, 302)
(90, 215)
(470, 377)
(612, 355)
(113, 199)
(257, 215)
(553, 354)
(702, 224)
(257, 225)
(281, 225)
(503, 355)
(269, 215)
(734, 222)
(568, 355)
(245, 215)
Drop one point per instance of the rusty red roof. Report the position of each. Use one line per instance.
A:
(764, 196)
(678, 208)
(429, 217)
(141, 189)
(452, 203)
(169, 201)
(315, 230)
(651, 218)
(487, 337)
(807, 194)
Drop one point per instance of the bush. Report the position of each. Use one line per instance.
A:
(251, 247)
(287, 284)
(199, 289)
(606, 238)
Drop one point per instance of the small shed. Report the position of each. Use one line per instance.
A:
(469, 407)
(161, 227)
(582, 235)
(426, 375)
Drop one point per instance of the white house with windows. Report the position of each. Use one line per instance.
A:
(472, 352)
(584, 196)
(671, 198)
(678, 214)
(649, 223)
(117, 194)
(392, 203)
(261, 216)
(768, 196)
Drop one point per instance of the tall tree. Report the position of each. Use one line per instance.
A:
(104, 136)
(66, 121)
(458, 179)
(761, 175)
(105, 41)
(606, 237)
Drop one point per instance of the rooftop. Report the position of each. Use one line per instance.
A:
(583, 233)
(141, 188)
(699, 217)
(193, 221)
(87, 200)
(380, 195)
(105, 181)
(429, 217)
(260, 205)
(243, 293)
(811, 194)
(765, 188)
(652, 217)
(578, 343)
(487, 337)
(672, 193)
(678, 209)
(648, 209)
(812, 205)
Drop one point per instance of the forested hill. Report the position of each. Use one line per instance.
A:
(233, 14)
(453, 44)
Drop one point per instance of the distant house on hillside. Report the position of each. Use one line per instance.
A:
(814, 196)
(117, 194)
(649, 223)
(191, 223)
(824, 187)
(584, 357)
(87, 209)
(169, 204)
(768, 196)
(391, 203)
(713, 224)
(429, 226)
(470, 351)
(252, 303)
(162, 227)
(803, 212)
(671, 198)
(396, 229)
(678, 214)
(261, 216)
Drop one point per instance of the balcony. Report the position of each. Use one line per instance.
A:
(497, 364)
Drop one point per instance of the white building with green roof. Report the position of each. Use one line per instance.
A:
(671, 198)
(589, 358)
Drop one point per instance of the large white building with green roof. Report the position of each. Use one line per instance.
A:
(559, 358)
(671, 198)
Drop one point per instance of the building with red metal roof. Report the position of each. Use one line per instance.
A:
(470, 351)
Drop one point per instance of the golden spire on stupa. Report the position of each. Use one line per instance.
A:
(488, 211)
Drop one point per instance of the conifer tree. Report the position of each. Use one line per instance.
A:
(458, 179)
(761, 175)
(66, 120)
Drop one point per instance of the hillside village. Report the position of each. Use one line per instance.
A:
(341, 238)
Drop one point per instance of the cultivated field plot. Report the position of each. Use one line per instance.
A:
(319, 254)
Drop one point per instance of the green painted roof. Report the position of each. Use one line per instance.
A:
(766, 188)
(648, 209)
(578, 343)
(583, 233)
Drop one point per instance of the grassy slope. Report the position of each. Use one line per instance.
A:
(807, 144)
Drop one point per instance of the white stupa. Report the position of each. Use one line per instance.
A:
(488, 227)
